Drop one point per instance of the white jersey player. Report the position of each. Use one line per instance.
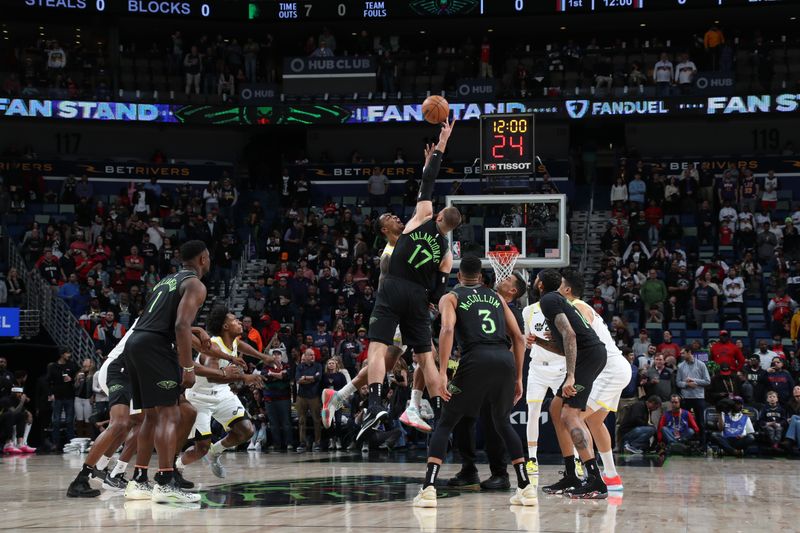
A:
(608, 387)
(213, 398)
(547, 370)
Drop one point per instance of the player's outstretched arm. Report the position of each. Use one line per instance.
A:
(517, 345)
(194, 294)
(570, 352)
(433, 162)
(447, 307)
(246, 349)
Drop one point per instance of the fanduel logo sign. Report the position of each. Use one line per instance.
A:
(579, 108)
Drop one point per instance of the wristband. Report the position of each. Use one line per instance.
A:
(188, 369)
(223, 372)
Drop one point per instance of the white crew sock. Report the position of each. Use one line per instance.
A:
(119, 468)
(416, 398)
(609, 469)
(26, 433)
(217, 448)
(102, 463)
(178, 464)
(532, 452)
(344, 394)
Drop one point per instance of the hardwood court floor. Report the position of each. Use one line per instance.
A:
(345, 492)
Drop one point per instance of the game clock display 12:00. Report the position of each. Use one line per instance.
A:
(507, 144)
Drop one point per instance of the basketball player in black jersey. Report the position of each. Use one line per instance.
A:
(158, 375)
(586, 358)
(482, 323)
(418, 273)
(510, 290)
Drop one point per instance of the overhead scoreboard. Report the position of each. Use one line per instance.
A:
(310, 10)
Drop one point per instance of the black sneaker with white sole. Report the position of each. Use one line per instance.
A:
(80, 488)
(97, 477)
(181, 481)
(593, 489)
(117, 483)
(566, 483)
(371, 419)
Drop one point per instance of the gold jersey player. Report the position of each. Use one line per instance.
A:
(391, 227)
(418, 272)
(482, 323)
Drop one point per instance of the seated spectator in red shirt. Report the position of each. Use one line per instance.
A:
(725, 235)
(134, 267)
(669, 348)
(676, 425)
(284, 272)
(724, 351)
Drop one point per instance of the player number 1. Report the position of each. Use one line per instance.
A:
(155, 300)
(488, 325)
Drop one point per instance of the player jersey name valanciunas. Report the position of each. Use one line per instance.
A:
(418, 255)
(161, 308)
(202, 385)
(480, 318)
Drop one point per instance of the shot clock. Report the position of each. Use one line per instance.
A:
(507, 144)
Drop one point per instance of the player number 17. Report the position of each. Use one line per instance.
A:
(428, 257)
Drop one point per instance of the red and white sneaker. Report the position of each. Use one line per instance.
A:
(412, 418)
(26, 449)
(11, 449)
(613, 483)
(328, 407)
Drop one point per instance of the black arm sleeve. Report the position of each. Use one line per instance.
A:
(441, 287)
(429, 175)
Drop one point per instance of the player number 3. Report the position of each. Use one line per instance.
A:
(488, 325)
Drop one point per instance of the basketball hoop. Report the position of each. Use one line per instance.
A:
(503, 262)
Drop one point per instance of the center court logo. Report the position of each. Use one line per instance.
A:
(577, 108)
(315, 491)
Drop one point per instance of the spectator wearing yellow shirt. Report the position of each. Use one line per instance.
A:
(795, 325)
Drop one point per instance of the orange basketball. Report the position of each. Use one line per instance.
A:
(435, 109)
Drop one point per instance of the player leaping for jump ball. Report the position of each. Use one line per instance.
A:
(391, 227)
(418, 272)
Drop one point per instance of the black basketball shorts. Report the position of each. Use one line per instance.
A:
(118, 383)
(404, 303)
(589, 364)
(484, 374)
(154, 370)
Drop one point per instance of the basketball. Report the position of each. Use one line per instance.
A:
(435, 109)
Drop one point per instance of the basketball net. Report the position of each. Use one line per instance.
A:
(503, 261)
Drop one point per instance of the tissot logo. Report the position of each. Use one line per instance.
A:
(577, 108)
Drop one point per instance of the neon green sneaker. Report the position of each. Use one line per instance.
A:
(532, 468)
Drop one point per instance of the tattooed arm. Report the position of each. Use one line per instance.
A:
(570, 353)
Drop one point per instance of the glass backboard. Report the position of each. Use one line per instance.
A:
(535, 224)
